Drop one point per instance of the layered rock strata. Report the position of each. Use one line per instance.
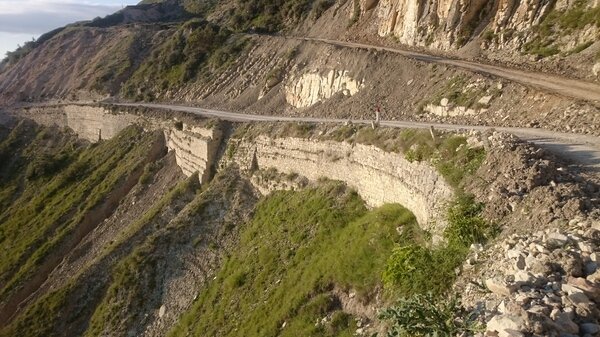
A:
(379, 177)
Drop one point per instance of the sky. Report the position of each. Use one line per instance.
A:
(22, 20)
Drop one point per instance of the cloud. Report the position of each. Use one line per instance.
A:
(40, 16)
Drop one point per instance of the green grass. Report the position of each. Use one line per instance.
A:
(298, 246)
(125, 275)
(40, 318)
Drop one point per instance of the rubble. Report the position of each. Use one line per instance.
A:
(538, 286)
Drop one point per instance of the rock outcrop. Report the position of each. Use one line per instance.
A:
(313, 87)
(445, 24)
(195, 149)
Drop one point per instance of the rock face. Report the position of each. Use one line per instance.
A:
(313, 87)
(195, 147)
(378, 176)
(444, 24)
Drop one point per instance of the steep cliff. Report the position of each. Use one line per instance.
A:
(311, 88)
(503, 24)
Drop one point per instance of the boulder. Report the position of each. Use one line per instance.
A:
(506, 325)
(485, 100)
(596, 69)
(565, 323)
(499, 287)
(590, 289)
(557, 239)
(524, 278)
(520, 264)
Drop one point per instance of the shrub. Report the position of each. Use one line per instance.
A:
(408, 269)
(146, 175)
(466, 226)
(425, 315)
(339, 321)
(414, 269)
(45, 165)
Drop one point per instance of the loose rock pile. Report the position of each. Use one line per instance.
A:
(545, 284)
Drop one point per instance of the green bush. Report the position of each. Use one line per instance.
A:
(425, 315)
(415, 269)
(197, 47)
(321, 6)
(409, 269)
(466, 225)
(45, 164)
(179, 125)
(339, 321)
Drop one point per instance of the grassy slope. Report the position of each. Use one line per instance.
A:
(297, 247)
(77, 299)
(46, 213)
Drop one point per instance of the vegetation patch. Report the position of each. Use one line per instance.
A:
(297, 248)
(42, 318)
(425, 316)
(271, 16)
(459, 92)
(196, 48)
(417, 269)
(45, 214)
(559, 24)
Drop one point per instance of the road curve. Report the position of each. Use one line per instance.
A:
(580, 149)
(563, 86)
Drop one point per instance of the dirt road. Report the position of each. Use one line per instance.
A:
(563, 86)
(581, 149)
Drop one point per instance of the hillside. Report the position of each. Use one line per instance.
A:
(352, 180)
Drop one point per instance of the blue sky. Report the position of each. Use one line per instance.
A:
(22, 20)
